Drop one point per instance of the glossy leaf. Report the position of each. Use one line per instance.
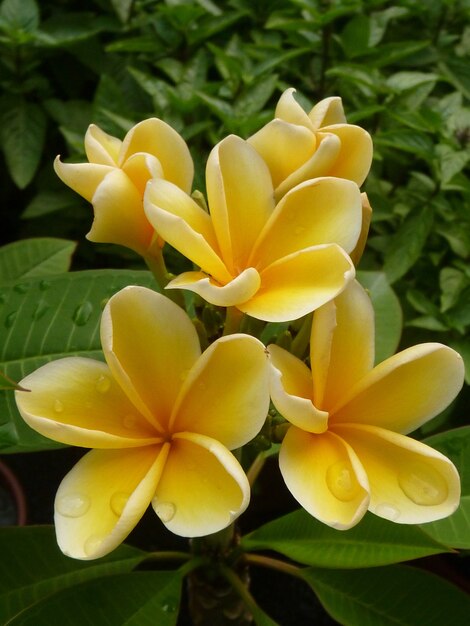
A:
(30, 258)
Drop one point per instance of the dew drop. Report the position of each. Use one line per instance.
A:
(10, 319)
(103, 384)
(40, 310)
(58, 406)
(165, 511)
(118, 501)
(168, 608)
(44, 285)
(82, 313)
(21, 287)
(423, 484)
(92, 544)
(129, 421)
(387, 511)
(73, 505)
(342, 482)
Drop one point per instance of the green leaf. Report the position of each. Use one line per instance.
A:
(372, 542)
(407, 140)
(388, 313)
(30, 258)
(463, 347)
(42, 319)
(32, 567)
(390, 596)
(20, 15)
(136, 599)
(123, 9)
(23, 130)
(402, 81)
(48, 201)
(256, 97)
(454, 531)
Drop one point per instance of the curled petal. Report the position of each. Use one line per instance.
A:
(149, 344)
(325, 476)
(410, 483)
(326, 112)
(356, 254)
(103, 497)
(291, 391)
(141, 167)
(404, 391)
(83, 178)
(299, 283)
(77, 401)
(355, 158)
(289, 110)
(236, 292)
(101, 147)
(203, 488)
(230, 413)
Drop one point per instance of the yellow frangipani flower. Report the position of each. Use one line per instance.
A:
(298, 146)
(274, 262)
(114, 179)
(346, 449)
(161, 419)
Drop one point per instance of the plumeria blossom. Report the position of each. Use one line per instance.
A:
(298, 146)
(160, 418)
(346, 450)
(115, 177)
(274, 262)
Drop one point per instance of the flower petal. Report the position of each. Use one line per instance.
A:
(404, 391)
(341, 344)
(83, 178)
(76, 401)
(291, 391)
(355, 158)
(103, 497)
(101, 147)
(410, 483)
(316, 212)
(325, 476)
(327, 111)
(203, 487)
(158, 138)
(230, 413)
(234, 293)
(356, 254)
(289, 110)
(240, 195)
(119, 214)
(140, 168)
(185, 226)
(299, 283)
(150, 345)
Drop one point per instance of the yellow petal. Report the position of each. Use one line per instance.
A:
(162, 141)
(326, 112)
(355, 158)
(284, 147)
(299, 283)
(406, 390)
(77, 401)
(341, 344)
(289, 110)
(291, 391)
(103, 497)
(319, 211)
(410, 483)
(233, 413)
(119, 214)
(101, 147)
(142, 167)
(185, 226)
(83, 178)
(203, 488)
(356, 254)
(325, 476)
(149, 344)
(240, 195)
(234, 293)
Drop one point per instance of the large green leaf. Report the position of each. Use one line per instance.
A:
(136, 599)
(389, 596)
(454, 530)
(32, 567)
(371, 543)
(29, 258)
(42, 319)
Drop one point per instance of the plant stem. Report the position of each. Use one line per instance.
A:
(300, 341)
(256, 467)
(233, 319)
(156, 264)
(171, 555)
(280, 566)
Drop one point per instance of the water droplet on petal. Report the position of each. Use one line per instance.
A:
(58, 406)
(103, 384)
(82, 313)
(387, 511)
(129, 421)
(21, 287)
(40, 310)
(342, 481)
(118, 501)
(10, 319)
(92, 544)
(165, 511)
(423, 484)
(73, 505)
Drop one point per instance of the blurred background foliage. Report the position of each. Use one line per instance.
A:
(210, 68)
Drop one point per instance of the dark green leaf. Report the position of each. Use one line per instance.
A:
(49, 202)
(30, 258)
(20, 15)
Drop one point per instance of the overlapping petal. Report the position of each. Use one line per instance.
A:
(355, 157)
(289, 109)
(83, 178)
(101, 147)
(325, 476)
(203, 487)
(327, 112)
(410, 483)
(104, 496)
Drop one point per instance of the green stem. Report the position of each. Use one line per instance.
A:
(171, 555)
(256, 467)
(300, 341)
(240, 587)
(233, 319)
(269, 562)
(156, 264)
